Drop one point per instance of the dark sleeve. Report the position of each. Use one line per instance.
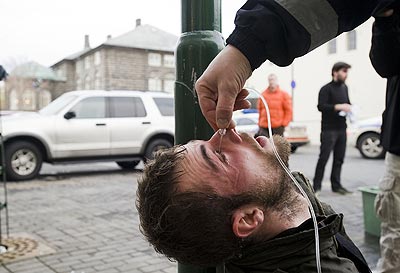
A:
(347, 93)
(385, 49)
(281, 30)
(324, 104)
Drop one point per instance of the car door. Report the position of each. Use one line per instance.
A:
(129, 124)
(86, 132)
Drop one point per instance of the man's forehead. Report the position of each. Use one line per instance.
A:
(193, 143)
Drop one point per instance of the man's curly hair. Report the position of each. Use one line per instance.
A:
(192, 227)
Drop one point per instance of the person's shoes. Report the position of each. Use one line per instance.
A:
(342, 191)
(317, 192)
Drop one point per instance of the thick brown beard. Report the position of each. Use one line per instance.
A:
(282, 147)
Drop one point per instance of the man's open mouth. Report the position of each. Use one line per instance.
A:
(262, 141)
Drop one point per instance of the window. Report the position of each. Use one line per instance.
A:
(60, 72)
(169, 86)
(169, 82)
(29, 100)
(154, 59)
(97, 58)
(87, 83)
(154, 84)
(125, 107)
(57, 105)
(169, 60)
(87, 61)
(165, 105)
(97, 81)
(79, 67)
(351, 40)
(90, 108)
(332, 46)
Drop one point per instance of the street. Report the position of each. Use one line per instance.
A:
(86, 214)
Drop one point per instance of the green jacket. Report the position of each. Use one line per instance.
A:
(295, 252)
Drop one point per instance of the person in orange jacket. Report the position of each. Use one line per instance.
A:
(280, 108)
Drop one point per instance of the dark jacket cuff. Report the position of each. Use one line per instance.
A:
(385, 23)
(249, 45)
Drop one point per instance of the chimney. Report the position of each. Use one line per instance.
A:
(138, 22)
(109, 36)
(87, 44)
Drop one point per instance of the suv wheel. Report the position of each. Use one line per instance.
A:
(154, 146)
(370, 146)
(128, 165)
(23, 160)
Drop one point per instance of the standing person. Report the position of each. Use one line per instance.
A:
(280, 107)
(333, 103)
(385, 57)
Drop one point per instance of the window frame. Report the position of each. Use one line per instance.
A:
(137, 101)
(158, 106)
(86, 98)
(351, 40)
(330, 48)
(168, 63)
(150, 60)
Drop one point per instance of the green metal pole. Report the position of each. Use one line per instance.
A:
(199, 43)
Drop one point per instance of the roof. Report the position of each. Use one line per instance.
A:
(142, 37)
(77, 54)
(34, 70)
(146, 37)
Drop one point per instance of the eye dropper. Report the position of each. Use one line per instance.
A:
(221, 132)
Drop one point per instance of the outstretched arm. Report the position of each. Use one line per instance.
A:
(277, 30)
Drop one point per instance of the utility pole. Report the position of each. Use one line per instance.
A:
(293, 86)
(199, 43)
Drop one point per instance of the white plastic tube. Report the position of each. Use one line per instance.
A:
(312, 212)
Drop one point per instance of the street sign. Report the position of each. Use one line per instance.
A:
(293, 84)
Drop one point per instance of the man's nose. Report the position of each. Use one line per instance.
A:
(230, 137)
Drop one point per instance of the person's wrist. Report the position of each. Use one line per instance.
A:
(243, 63)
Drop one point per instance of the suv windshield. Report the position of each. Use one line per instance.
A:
(165, 105)
(55, 106)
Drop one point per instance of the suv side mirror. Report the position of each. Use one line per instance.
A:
(69, 115)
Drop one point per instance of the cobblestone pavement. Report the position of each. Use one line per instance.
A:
(89, 218)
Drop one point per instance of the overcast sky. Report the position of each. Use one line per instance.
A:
(48, 30)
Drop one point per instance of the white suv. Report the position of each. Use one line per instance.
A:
(121, 126)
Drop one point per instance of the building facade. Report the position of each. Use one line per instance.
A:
(28, 87)
(142, 59)
(311, 72)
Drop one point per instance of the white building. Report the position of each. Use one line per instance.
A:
(311, 72)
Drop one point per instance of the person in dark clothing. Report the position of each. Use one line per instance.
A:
(204, 207)
(334, 104)
(385, 57)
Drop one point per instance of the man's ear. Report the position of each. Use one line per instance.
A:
(247, 220)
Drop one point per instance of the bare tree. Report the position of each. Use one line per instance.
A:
(11, 62)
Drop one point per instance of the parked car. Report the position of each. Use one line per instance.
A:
(120, 126)
(365, 136)
(295, 133)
